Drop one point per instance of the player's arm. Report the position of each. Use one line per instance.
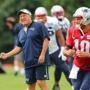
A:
(61, 42)
(60, 38)
(68, 51)
(59, 34)
(88, 55)
(83, 54)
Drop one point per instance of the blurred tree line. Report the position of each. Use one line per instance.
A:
(11, 7)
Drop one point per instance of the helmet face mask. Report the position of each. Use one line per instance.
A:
(40, 14)
(57, 11)
(40, 18)
(58, 14)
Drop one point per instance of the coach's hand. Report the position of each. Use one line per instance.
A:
(3, 55)
(41, 59)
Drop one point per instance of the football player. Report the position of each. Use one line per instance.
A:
(55, 35)
(78, 46)
(58, 12)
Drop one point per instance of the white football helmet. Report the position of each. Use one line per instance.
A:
(40, 14)
(57, 11)
(83, 12)
(40, 11)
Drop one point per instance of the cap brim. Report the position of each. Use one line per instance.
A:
(24, 11)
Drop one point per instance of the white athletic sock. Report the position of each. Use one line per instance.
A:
(22, 71)
(72, 88)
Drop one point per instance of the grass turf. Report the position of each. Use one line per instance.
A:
(11, 82)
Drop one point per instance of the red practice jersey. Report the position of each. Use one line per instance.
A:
(77, 41)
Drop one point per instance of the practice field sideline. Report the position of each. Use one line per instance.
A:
(11, 82)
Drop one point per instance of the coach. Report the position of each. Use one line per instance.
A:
(33, 39)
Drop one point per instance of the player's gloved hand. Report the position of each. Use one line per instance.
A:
(63, 57)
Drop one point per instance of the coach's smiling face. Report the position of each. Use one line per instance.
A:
(25, 19)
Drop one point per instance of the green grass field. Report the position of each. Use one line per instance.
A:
(11, 82)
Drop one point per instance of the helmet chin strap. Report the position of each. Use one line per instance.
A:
(78, 26)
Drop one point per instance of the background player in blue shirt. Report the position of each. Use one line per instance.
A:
(14, 27)
(33, 39)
